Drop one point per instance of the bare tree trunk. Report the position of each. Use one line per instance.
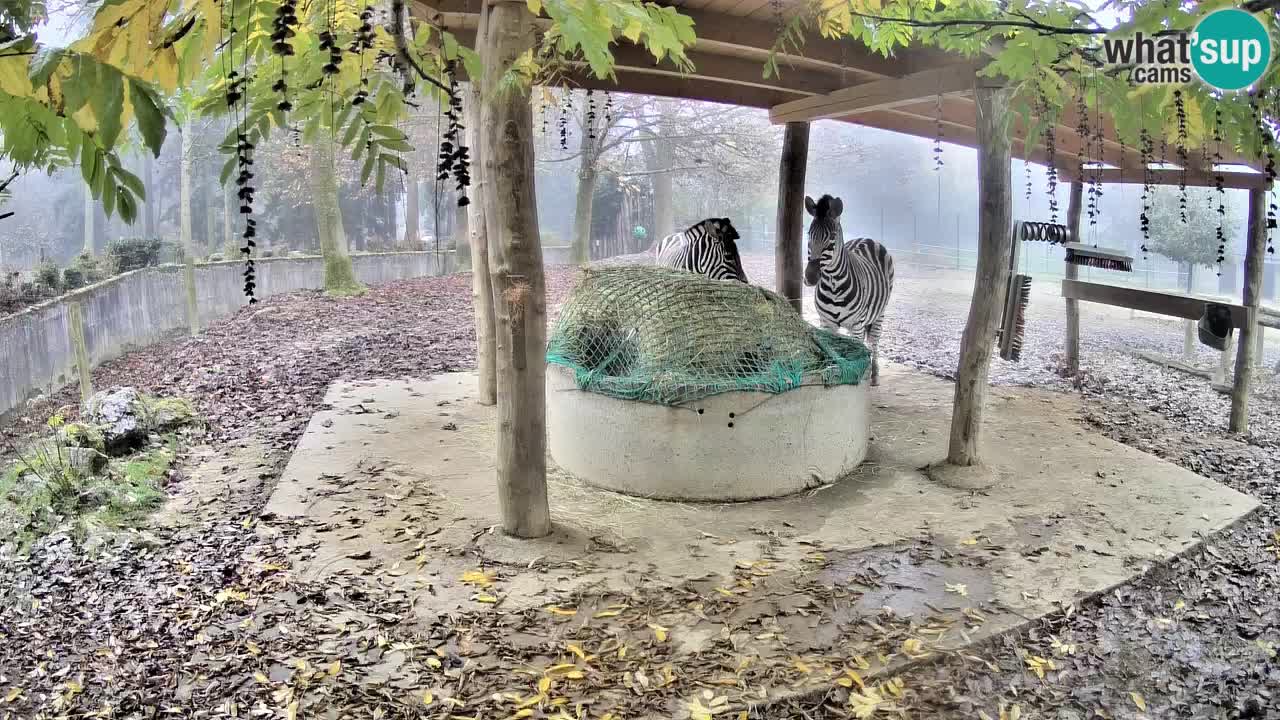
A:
(228, 228)
(148, 184)
(1074, 201)
(88, 220)
(1189, 329)
(412, 238)
(518, 285)
(664, 220)
(582, 210)
(184, 229)
(339, 275)
(1255, 256)
(481, 282)
(788, 256)
(586, 191)
(994, 220)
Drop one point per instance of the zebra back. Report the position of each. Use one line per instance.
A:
(704, 249)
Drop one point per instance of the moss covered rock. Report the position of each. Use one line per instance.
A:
(83, 435)
(168, 414)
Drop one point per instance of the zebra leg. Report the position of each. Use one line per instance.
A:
(873, 342)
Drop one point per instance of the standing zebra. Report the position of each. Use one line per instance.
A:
(707, 248)
(854, 279)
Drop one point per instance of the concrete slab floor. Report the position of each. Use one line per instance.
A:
(397, 480)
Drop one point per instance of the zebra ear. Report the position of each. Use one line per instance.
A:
(810, 206)
(837, 207)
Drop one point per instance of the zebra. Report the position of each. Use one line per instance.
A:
(707, 247)
(853, 279)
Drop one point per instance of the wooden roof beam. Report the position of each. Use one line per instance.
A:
(878, 95)
(1235, 180)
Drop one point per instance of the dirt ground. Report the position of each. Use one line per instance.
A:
(203, 616)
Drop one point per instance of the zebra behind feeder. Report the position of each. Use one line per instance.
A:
(853, 279)
(709, 247)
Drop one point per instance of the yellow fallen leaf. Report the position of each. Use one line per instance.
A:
(1179, 605)
(479, 578)
(575, 674)
(1267, 647)
(261, 677)
(864, 704)
(291, 712)
(861, 663)
(958, 588)
(13, 694)
(607, 614)
(622, 652)
(1039, 665)
(482, 597)
(428, 698)
(1138, 700)
(554, 610)
(253, 647)
(544, 686)
(433, 662)
(335, 668)
(914, 648)
(801, 665)
(659, 632)
(562, 667)
(526, 712)
(725, 592)
(969, 541)
(576, 650)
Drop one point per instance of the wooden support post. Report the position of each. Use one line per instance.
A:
(1074, 201)
(1255, 255)
(995, 220)
(519, 292)
(75, 333)
(481, 282)
(788, 258)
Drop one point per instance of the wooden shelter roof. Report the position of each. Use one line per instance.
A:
(829, 79)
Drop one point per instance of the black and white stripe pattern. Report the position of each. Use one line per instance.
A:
(707, 248)
(853, 279)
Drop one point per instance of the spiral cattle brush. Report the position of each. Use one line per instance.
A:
(1013, 325)
(1103, 258)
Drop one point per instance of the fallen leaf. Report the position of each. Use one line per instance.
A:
(1138, 700)
(658, 631)
(485, 598)
(478, 578)
(554, 610)
(958, 588)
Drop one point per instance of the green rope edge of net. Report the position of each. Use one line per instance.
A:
(848, 360)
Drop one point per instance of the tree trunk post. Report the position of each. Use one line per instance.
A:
(1255, 255)
(75, 331)
(1189, 329)
(519, 293)
(788, 253)
(995, 210)
(1074, 201)
(477, 232)
(339, 274)
(411, 213)
(664, 216)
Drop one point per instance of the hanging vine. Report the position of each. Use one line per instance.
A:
(1144, 220)
(1219, 186)
(563, 121)
(608, 108)
(1180, 109)
(591, 114)
(455, 158)
(1099, 153)
(1269, 138)
(238, 103)
(1051, 171)
(937, 137)
(1086, 145)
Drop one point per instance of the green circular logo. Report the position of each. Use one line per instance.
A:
(1230, 49)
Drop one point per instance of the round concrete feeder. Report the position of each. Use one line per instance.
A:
(733, 446)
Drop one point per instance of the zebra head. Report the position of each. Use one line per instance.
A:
(825, 234)
(723, 230)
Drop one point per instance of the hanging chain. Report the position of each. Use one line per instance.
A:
(1180, 108)
(1144, 220)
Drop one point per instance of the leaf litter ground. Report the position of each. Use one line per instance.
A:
(201, 617)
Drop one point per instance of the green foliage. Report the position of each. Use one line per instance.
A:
(48, 275)
(128, 254)
(1046, 49)
(89, 267)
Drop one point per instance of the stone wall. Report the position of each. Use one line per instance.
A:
(144, 306)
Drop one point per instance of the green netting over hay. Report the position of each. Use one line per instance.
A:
(670, 337)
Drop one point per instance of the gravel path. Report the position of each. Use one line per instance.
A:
(1196, 639)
